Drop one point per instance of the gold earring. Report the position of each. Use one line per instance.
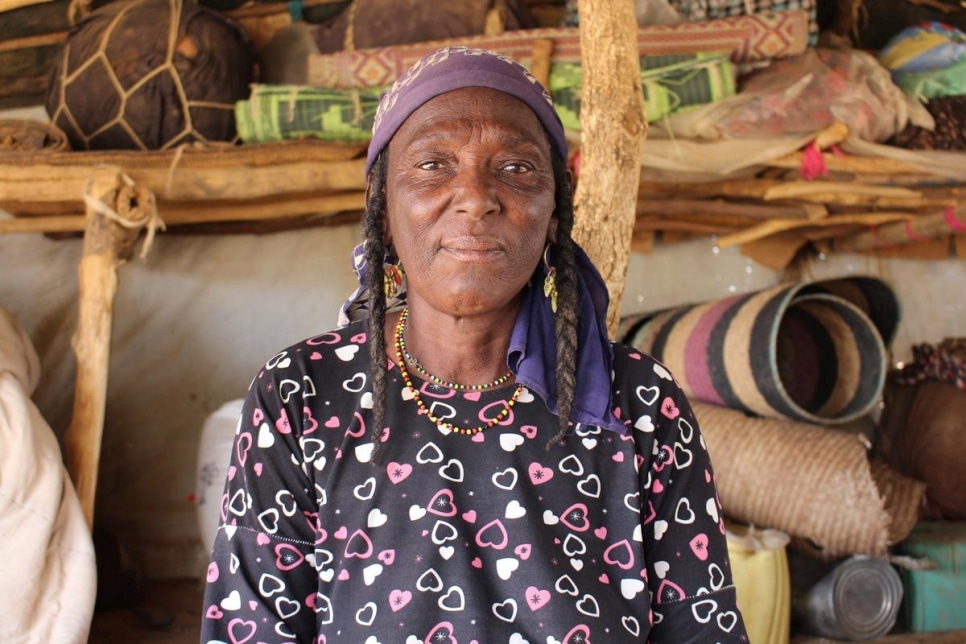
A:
(550, 283)
(392, 278)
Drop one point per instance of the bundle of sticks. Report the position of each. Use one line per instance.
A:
(862, 204)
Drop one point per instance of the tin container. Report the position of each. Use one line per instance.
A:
(858, 600)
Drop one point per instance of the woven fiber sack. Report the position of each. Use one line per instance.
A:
(922, 433)
(150, 75)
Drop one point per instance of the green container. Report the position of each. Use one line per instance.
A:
(935, 600)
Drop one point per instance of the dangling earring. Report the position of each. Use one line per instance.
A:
(550, 283)
(392, 279)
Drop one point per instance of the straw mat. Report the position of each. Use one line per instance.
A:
(816, 484)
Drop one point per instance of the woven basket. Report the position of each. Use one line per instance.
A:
(808, 352)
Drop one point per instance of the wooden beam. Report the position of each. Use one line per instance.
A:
(47, 182)
(193, 213)
(613, 126)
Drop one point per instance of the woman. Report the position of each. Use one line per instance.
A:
(469, 459)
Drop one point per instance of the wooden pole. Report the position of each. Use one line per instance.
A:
(116, 211)
(613, 126)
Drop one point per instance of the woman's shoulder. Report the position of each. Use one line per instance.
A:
(635, 365)
(345, 347)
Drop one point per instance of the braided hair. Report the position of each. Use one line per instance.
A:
(562, 258)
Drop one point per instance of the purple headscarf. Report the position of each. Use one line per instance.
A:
(532, 352)
(452, 68)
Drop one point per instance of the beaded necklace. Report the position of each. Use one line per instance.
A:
(401, 356)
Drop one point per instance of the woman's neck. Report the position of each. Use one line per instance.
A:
(467, 350)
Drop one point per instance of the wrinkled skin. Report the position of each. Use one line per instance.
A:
(470, 201)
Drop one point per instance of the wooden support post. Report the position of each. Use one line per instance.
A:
(116, 212)
(613, 126)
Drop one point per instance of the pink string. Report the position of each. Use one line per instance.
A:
(954, 224)
(912, 235)
(813, 164)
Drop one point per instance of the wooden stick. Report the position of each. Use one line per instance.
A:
(775, 226)
(651, 224)
(676, 207)
(776, 189)
(494, 24)
(108, 243)
(793, 189)
(733, 221)
(832, 135)
(860, 165)
(921, 228)
(542, 51)
(184, 214)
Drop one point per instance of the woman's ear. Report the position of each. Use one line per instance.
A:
(552, 230)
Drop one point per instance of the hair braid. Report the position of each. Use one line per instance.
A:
(374, 229)
(564, 260)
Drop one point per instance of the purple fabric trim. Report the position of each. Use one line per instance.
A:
(452, 68)
(532, 355)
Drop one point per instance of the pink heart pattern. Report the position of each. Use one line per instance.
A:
(452, 538)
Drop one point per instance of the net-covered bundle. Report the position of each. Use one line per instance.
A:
(150, 75)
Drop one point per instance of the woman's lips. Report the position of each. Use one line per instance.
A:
(473, 248)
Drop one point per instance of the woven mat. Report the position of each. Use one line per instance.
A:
(814, 483)
(747, 39)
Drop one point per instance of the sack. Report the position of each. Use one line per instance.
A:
(922, 434)
(380, 23)
(807, 93)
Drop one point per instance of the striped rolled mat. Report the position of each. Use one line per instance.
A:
(812, 352)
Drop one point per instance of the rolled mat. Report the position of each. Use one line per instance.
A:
(816, 484)
(812, 352)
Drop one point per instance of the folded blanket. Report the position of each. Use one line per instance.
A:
(672, 83)
(278, 112)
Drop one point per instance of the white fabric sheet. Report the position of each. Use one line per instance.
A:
(47, 560)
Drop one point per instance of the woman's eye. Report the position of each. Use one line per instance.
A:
(430, 165)
(516, 168)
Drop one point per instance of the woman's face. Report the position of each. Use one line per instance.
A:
(470, 199)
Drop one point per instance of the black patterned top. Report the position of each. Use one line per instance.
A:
(607, 537)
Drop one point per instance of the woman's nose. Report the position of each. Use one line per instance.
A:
(475, 192)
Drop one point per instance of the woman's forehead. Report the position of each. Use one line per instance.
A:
(477, 108)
